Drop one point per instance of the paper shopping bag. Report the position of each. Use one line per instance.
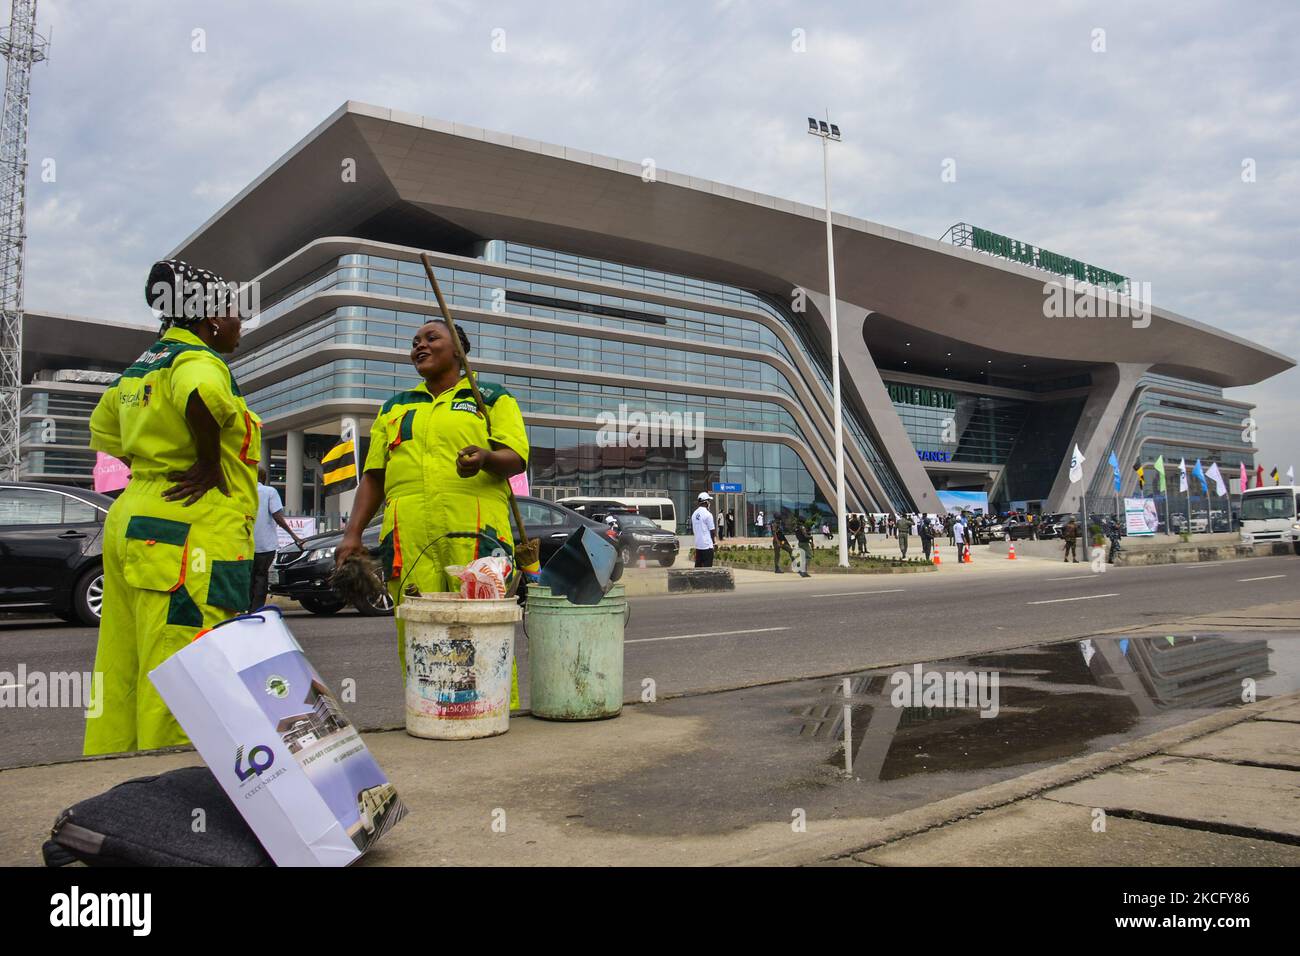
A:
(277, 741)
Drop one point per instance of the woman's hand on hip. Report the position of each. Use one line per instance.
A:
(194, 483)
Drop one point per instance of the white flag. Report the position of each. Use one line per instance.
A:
(1290, 475)
(1213, 472)
(1076, 466)
(1182, 474)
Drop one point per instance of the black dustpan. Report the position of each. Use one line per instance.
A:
(582, 569)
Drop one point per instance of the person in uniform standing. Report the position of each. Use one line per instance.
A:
(178, 541)
(779, 544)
(440, 475)
(805, 541)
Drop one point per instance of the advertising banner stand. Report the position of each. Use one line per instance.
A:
(1141, 516)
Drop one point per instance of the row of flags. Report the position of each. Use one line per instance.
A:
(1203, 475)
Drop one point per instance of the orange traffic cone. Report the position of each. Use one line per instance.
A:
(936, 555)
(1011, 555)
(640, 561)
(966, 554)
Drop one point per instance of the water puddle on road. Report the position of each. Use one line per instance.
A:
(916, 734)
(1046, 703)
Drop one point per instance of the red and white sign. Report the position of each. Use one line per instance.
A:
(519, 483)
(305, 526)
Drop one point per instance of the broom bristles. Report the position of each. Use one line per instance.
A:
(358, 579)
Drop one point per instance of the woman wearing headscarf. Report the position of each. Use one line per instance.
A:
(177, 542)
(440, 474)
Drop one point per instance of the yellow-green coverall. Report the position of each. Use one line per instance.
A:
(415, 440)
(169, 570)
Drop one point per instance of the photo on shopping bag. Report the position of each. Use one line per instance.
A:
(327, 747)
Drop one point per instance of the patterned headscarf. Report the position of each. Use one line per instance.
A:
(184, 294)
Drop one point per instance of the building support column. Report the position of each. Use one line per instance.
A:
(1112, 387)
(862, 380)
(293, 472)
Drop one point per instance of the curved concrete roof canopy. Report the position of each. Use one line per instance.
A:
(433, 179)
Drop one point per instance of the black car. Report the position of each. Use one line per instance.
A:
(1049, 526)
(51, 550)
(638, 535)
(1012, 529)
(303, 575)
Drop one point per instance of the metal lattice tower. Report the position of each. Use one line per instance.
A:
(21, 47)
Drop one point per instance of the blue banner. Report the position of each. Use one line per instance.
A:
(957, 501)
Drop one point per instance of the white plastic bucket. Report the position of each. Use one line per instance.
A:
(459, 658)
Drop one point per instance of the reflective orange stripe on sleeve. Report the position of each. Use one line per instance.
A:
(249, 425)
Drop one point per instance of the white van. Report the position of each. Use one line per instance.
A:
(1269, 514)
(659, 510)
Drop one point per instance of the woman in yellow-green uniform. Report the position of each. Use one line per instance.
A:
(436, 471)
(178, 550)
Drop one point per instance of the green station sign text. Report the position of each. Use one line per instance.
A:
(916, 395)
(1023, 252)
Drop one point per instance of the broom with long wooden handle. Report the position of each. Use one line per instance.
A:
(527, 553)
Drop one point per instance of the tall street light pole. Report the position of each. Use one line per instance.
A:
(829, 131)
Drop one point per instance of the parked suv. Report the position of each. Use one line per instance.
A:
(304, 575)
(51, 550)
(638, 535)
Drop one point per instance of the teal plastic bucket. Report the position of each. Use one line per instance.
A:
(575, 655)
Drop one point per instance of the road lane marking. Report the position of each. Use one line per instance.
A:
(850, 593)
(684, 637)
(1086, 597)
(1076, 577)
(1267, 577)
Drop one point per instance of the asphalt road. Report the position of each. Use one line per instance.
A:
(760, 634)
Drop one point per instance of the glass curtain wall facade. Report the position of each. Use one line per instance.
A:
(55, 439)
(1027, 438)
(1179, 420)
(734, 370)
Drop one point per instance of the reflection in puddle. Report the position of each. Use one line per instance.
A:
(763, 752)
(1049, 703)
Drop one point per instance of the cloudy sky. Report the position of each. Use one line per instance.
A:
(1115, 132)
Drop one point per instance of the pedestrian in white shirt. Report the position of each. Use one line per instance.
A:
(959, 536)
(270, 512)
(702, 524)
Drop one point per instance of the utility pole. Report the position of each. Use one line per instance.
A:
(21, 47)
(829, 131)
